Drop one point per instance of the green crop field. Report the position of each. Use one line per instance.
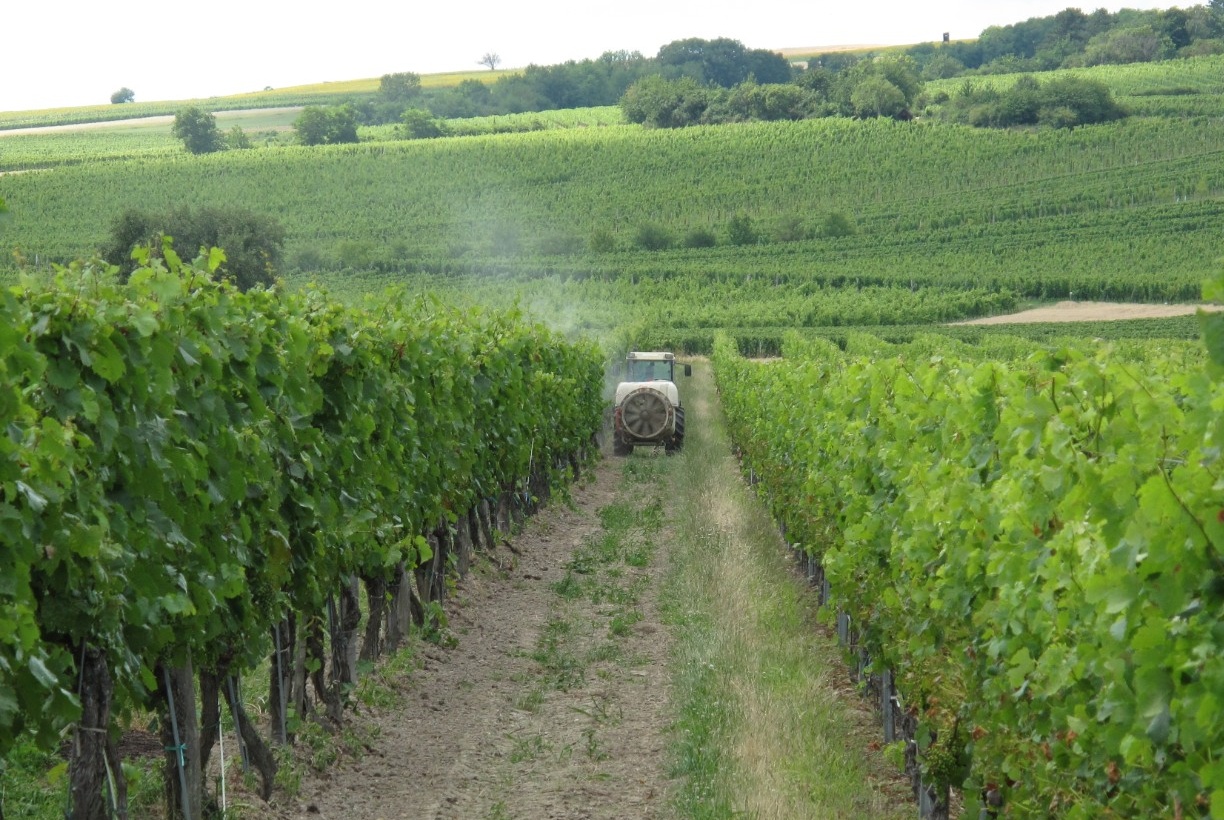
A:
(936, 222)
(326, 93)
(945, 222)
(1174, 88)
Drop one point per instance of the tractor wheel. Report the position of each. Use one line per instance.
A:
(620, 447)
(677, 439)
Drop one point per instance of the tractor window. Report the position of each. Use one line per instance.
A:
(645, 371)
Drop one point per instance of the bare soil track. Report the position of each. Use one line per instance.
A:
(1068, 311)
(477, 736)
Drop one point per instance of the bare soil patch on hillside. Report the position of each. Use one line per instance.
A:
(805, 50)
(1069, 311)
(160, 119)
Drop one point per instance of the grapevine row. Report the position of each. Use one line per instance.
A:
(193, 478)
(1034, 547)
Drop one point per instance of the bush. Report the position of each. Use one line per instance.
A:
(197, 129)
(652, 237)
(836, 224)
(699, 238)
(237, 140)
(740, 230)
(602, 241)
(1059, 103)
(419, 124)
(317, 125)
(791, 229)
(309, 259)
(661, 103)
(252, 242)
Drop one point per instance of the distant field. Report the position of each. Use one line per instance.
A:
(937, 223)
(1126, 211)
(314, 94)
(1174, 88)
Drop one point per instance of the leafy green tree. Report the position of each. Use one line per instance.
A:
(877, 97)
(400, 87)
(319, 125)
(661, 103)
(602, 241)
(237, 140)
(740, 230)
(699, 238)
(942, 67)
(252, 242)
(1215, 17)
(651, 236)
(1090, 101)
(722, 62)
(197, 129)
(836, 224)
(1137, 44)
(419, 124)
(902, 72)
(123, 95)
(470, 98)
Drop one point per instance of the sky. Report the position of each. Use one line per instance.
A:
(58, 53)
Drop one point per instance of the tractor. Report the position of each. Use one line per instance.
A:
(648, 409)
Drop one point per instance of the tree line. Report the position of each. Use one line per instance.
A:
(1069, 39)
(697, 81)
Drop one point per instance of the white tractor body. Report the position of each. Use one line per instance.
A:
(648, 410)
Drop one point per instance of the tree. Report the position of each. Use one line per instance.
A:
(471, 98)
(1136, 44)
(123, 95)
(1215, 16)
(740, 230)
(400, 87)
(317, 125)
(197, 129)
(490, 59)
(836, 224)
(252, 242)
(652, 237)
(722, 62)
(602, 241)
(699, 238)
(662, 103)
(237, 140)
(877, 97)
(419, 124)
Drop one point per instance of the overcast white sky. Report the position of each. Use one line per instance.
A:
(77, 52)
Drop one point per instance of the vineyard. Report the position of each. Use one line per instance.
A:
(1025, 548)
(195, 480)
(1018, 529)
(1170, 88)
(941, 223)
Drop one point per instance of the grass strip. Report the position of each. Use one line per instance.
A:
(764, 728)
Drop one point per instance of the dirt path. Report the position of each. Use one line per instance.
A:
(154, 120)
(574, 657)
(1091, 312)
(542, 708)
